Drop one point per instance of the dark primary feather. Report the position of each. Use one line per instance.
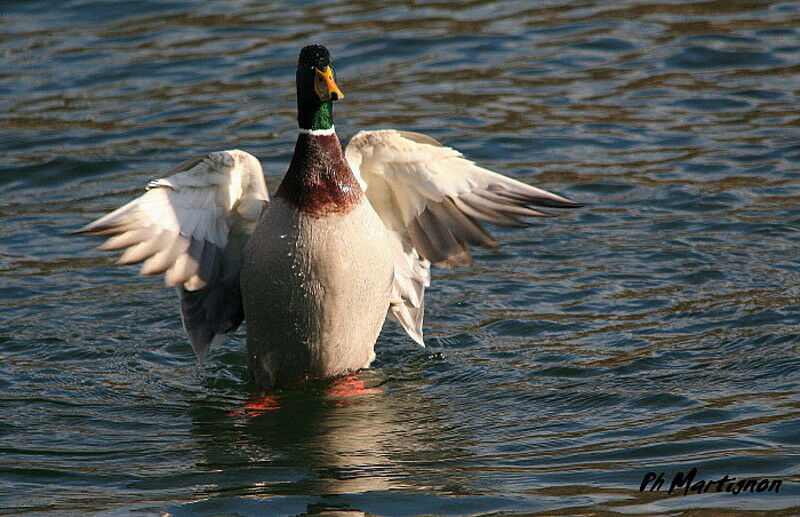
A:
(423, 243)
(442, 238)
(212, 312)
(442, 231)
(464, 227)
(478, 211)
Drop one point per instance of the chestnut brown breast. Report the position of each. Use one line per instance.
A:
(319, 180)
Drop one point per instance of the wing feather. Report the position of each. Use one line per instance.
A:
(165, 257)
(182, 226)
(423, 243)
(443, 239)
(432, 201)
(463, 226)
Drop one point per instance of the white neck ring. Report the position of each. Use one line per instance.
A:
(318, 132)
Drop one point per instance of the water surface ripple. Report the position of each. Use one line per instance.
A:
(654, 330)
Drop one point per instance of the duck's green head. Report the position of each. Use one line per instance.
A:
(316, 88)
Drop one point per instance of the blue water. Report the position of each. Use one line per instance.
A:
(656, 329)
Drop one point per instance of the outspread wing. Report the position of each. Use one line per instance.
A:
(432, 200)
(192, 226)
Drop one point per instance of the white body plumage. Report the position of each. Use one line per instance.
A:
(315, 291)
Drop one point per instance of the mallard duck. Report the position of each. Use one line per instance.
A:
(348, 238)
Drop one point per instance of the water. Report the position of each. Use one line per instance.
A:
(654, 330)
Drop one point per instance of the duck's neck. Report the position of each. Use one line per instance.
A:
(314, 114)
(319, 181)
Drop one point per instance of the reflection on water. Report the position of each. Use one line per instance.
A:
(354, 443)
(654, 330)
